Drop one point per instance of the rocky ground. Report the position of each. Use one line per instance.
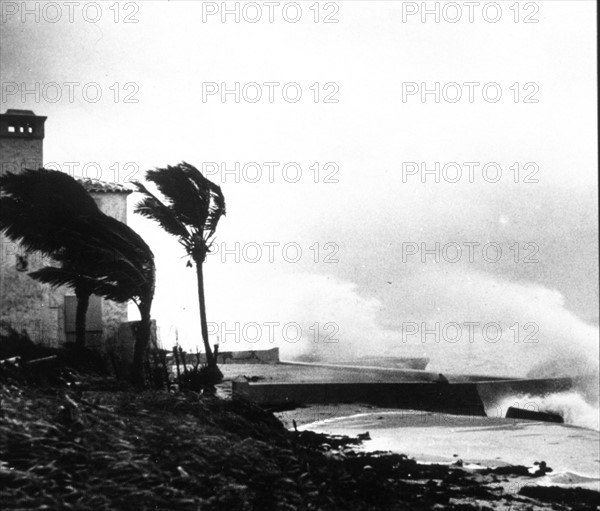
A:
(98, 446)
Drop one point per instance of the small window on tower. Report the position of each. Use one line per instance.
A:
(29, 129)
(21, 129)
(11, 129)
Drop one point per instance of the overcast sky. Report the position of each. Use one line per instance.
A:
(370, 212)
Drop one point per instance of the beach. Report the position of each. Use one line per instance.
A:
(572, 452)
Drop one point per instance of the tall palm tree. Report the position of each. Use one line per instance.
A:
(50, 212)
(190, 211)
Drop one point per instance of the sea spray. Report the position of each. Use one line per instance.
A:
(570, 405)
(338, 320)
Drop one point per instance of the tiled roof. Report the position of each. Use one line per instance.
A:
(96, 186)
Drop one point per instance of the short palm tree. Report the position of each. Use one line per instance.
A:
(190, 211)
(50, 212)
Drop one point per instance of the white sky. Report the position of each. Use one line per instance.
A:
(369, 133)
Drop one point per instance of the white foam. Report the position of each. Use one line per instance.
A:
(571, 406)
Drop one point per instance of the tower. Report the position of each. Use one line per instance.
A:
(21, 140)
(24, 303)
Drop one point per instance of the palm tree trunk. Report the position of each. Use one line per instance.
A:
(83, 302)
(210, 359)
(142, 339)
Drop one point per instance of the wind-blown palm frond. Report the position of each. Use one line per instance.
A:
(57, 277)
(187, 204)
(117, 258)
(189, 197)
(152, 207)
(34, 210)
(211, 194)
(110, 253)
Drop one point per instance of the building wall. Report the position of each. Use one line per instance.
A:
(112, 204)
(27, 304)
(113, 314)
(21, 153)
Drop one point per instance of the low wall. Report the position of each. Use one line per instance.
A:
(466, 398)
(458, 398)
(240, 357)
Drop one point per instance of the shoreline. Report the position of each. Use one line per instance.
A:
(87, 448)
(572, 452)
(481, 441)
(89, 442)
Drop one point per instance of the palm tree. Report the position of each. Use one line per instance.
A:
(114, 263)
(50, 212)
(191, 211)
